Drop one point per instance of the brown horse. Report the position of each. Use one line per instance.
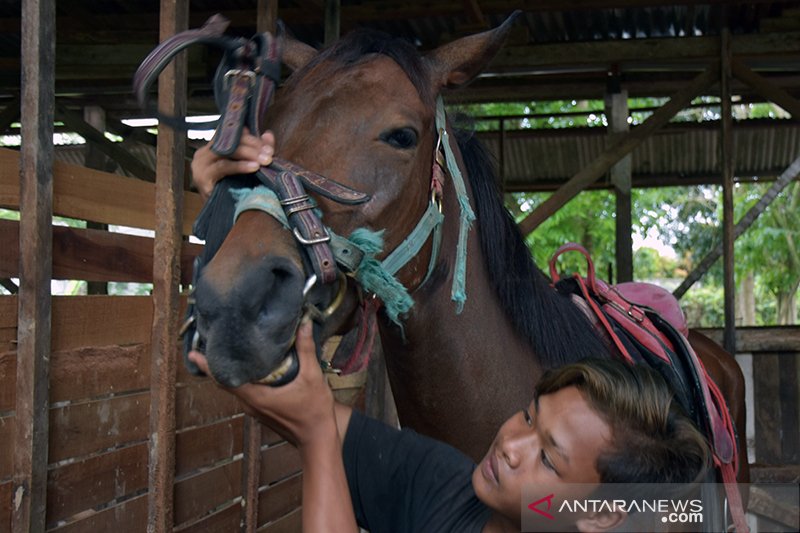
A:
(362, 113)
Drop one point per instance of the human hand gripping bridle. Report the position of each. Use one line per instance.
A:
(244, 85)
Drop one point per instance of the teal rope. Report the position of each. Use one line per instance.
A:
(369, 273)
(458, 292)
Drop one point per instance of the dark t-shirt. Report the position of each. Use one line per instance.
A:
(401, 481)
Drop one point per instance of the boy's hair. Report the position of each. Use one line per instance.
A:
(653, 439)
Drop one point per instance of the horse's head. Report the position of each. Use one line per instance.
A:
(361, 114)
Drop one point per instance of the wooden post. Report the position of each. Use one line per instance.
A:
(726, 158)
(502, 157)
(29, 498)
(174, 17)
(266, 16)
(95, 116)
(333, 16)
(617, 113)
(624, 146)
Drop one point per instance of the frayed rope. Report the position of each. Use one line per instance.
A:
(369, 273)
(375, 279)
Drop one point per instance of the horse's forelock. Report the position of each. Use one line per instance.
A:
(362, 44)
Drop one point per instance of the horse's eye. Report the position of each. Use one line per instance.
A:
(402, 138)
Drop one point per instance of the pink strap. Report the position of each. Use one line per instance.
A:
(574, 247)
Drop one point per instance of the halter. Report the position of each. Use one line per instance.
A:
(243, 87)
(359, 262)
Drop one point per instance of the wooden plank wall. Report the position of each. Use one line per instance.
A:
(775, 355)
(100, 381)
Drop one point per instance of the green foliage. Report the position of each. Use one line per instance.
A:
(704, 306)
(649, 264)
(587, 219)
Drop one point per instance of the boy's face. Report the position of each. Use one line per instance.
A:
(545, 448)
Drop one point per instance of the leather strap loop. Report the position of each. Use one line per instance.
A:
(308, 228)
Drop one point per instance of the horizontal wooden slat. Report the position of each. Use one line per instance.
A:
(87, 194)
(80, 429)
(206, 445)
(761, 339)
(203, 403)
(129, 516)
(774, 473)
(280, 499)
(80, 321)
(225, 520)
(95, 481)
(200, 494)
(279, 462)
(291, 523)
(7, 425)
(94, 255)
(84, 373)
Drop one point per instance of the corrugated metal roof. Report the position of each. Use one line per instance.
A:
(539, 160)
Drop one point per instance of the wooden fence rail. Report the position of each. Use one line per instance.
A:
(100, 381)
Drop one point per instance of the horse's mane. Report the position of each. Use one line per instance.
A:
(556, 329)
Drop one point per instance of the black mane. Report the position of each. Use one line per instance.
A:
(556, 329)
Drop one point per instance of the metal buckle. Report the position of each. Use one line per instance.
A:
(308, 242)
(436, 199)
(239, 72)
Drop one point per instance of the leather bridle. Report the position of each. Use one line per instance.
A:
(244, 84)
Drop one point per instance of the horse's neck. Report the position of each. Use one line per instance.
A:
(458, 377)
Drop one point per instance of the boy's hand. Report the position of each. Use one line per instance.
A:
(302, 411)
(253, 152)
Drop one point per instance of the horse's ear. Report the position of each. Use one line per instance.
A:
(296, 54)
(460, 61)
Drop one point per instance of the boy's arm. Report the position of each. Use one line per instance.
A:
(304, 412)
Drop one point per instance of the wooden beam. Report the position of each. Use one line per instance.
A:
(95, 116)
(645, 52)
(251, 472)
(727, 161)
(112, 150)
(94, 255)
(766, 89)
(34, 318)
(333, 20)
(88, 194)
(745, 222)
(617, 113)
(620, 149)
(266, 16)
(757, 339)
(174, 18)
(540, 87)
